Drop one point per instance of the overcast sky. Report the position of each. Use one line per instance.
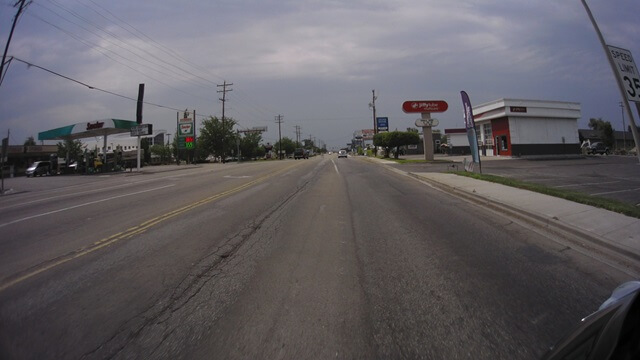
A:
(315, 62)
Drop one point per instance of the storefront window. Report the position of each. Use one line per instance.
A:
(487, 131)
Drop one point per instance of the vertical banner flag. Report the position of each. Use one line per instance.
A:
(470, 125)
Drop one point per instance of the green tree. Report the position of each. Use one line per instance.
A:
(250, 145)
(604, 129)
(70, 150)
(308, 144)
(218, 138)
(201, 153)
(162, 151)
(395, 139)
(382, 140)
(30, 141)
(174, 147)
(288, 145)
(144, 146)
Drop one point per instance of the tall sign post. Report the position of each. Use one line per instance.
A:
(5, 147)
(138, 120)
(186, 130)
(626, 72)
(425, 108)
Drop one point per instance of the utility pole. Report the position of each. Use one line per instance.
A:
(21, 5)
(279, 122)
(372, 105)
(297, 134)
(224, 99)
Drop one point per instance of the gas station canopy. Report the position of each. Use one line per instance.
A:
(88, 129)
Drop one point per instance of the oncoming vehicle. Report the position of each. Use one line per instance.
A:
(598, 148)
(342, 153)
(38, 168)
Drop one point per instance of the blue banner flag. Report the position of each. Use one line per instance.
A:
(470, 125)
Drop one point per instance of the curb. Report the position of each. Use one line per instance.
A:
(555, 226)
(558, 227)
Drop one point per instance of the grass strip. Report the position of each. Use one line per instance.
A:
(575, 196)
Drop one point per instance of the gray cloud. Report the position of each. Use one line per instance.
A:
(313, 61)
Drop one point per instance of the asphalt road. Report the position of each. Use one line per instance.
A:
(319, 258)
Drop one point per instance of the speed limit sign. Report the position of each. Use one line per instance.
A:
(627, 71)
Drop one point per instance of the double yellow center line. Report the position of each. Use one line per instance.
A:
(136, 230)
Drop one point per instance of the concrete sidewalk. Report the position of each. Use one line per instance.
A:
(610, 229)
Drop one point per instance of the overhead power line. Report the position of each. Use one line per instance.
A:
(155, 44)
(93, 87)
(21, 4)
(115, 36)
(126, 46)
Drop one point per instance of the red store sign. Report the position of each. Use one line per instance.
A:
(425, 106)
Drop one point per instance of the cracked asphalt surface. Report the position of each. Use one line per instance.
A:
(319, 258)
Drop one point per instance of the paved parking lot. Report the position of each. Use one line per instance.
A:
(615, 177)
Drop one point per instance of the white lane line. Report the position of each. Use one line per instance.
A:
(172, 177)
(81, 205)
(587, 184)
(615, 192)
(335, 166)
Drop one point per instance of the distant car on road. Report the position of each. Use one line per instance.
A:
(38, 168)
(598, 148)
(300, 153)
(342, 153)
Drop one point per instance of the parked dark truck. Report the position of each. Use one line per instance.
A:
(598, 148)
(299, 153)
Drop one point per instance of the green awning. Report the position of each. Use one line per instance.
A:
(88, 129)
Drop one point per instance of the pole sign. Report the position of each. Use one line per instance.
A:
(427, 122)
(142, 130)
(425, 106)
(627, 72)
(188, 142)
(186, 124)
(186, 129)
(382, 123)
